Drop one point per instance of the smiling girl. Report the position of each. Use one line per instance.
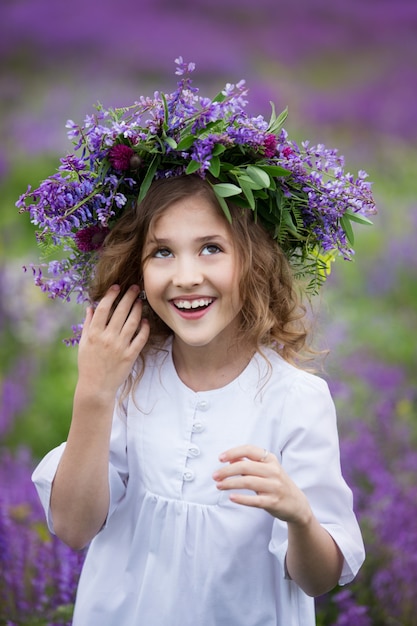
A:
(191, 520)
(202, 462)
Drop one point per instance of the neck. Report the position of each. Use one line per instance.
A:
(209, 367)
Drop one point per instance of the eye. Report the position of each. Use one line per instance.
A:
(211, 248)
(162, 253)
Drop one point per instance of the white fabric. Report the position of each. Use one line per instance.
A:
(174, 550)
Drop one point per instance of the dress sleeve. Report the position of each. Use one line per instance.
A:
(44, 473)
(311, 457)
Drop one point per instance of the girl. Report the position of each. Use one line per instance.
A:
(202, 462)
(202, 465)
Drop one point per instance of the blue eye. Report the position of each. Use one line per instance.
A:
(211, 248)
(162, 253)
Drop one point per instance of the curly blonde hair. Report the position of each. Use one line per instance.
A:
(272, 313)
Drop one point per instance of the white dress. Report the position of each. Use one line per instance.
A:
(175, 551)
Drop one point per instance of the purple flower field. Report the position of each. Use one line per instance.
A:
(347, 70)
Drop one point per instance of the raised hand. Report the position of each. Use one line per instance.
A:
(109, 347)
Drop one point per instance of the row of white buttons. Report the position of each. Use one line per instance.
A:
(194, 450)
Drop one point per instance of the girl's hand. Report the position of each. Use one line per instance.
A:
(109, 348)
(253, 468)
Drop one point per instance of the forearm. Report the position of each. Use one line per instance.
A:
(80, 491)
(314, 560)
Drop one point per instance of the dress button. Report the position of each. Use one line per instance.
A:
(188, 475)
(193, 450)
(198, 427)
(203, 405)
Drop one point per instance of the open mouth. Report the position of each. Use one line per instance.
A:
(199, 304)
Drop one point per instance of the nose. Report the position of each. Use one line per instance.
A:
(187, 273)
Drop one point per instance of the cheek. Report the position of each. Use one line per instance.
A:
(149, 280)
(231, 285)
(154, 284)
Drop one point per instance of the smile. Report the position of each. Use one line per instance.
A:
(198, 303)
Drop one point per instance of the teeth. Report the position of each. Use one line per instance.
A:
(193, 304)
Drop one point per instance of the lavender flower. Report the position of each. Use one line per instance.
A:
(379, 460)
(38, 573)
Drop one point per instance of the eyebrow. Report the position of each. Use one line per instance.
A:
(163, 241)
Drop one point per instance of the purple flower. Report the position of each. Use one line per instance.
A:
(38, 573)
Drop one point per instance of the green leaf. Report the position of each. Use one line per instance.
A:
(227, 167)
(259, 175)
(273, 116)
(192, 167)
(164, 100)
(186, 143)
(276, 123)
(224, 207)
(171, 142)
(249, 182)
(103, 169)
(219, 148)
(347, 227)
(48, 248)
(220, 97)
(357, 217)
(215, 166)
(274, 170)
(247, 190)
(149, 176)
(225, 190)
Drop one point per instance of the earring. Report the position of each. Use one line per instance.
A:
(142, 295)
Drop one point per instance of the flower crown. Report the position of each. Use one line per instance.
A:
(300, 194)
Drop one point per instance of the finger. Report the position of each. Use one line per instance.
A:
(257, 484)
(86, 324)
(102, 310)
(106, 317)
(242, 468)
(131, 324)
(139, 340)
(124, 308)
(257, 501)
(88, 317)
(253, 453)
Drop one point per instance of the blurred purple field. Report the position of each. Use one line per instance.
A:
(348, 72)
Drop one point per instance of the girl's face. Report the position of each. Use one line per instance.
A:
(191, 273)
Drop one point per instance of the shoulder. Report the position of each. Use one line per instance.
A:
(280, 373)
(297, 398)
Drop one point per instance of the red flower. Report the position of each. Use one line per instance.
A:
(287, 152)
(91, 238)
(120, 155)
(270, 146)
